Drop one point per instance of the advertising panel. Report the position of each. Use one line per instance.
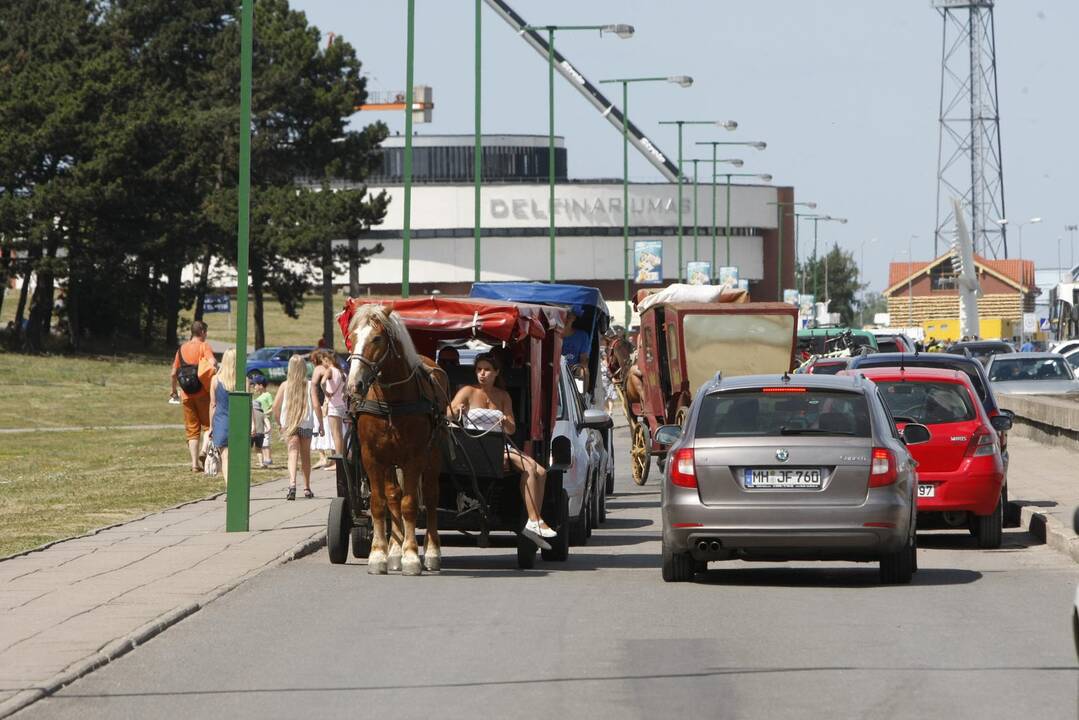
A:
(699, 273)
(648, 262)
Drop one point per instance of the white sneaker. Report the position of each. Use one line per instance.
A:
(534, 527)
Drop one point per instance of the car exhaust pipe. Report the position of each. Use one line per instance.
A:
(702, 546)
(714, 546)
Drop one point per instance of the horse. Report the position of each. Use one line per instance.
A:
(400, 400)
(624, 373)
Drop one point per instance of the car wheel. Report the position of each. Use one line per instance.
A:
(677, 566)
(578, 526)
(989, 528)
(897, 568)
(560, 543)
(526, 553)
(610, 484)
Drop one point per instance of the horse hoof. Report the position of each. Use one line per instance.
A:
(432, 562)
(376, 564)
(411, 565)
(394, 563)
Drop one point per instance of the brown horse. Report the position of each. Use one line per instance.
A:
(401, 407)
(624, 373)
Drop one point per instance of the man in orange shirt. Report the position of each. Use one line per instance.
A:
(196, 398)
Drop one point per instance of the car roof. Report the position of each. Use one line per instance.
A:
(1026, 355)
(876, 359)
(915, 374)
(822, 382)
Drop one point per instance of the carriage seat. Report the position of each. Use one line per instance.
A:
(474, 452)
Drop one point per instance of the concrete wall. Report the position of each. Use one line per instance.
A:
(1044, 418)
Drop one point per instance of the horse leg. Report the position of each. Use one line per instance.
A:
(376, 559)
(432, 550)
(393, 503)
(410, 556)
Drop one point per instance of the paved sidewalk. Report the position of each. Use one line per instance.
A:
(78, 604)
(1043, 481)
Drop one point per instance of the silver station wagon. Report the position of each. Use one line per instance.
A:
(785, 467)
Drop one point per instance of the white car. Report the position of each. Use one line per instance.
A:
(577, 442)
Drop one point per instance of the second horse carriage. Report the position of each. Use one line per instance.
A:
(683, 343)
(469, 485)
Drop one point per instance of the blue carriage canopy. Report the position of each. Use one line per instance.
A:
(588, 301)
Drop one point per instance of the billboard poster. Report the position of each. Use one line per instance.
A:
(699, 273)
(743, 284)
(648, 262)
(728, 276)
(790, 295)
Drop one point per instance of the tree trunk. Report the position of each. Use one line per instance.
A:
(5, 274)
(172, 305)
(40, 313)
(20, 308)
(204, 279)
(258, 277)
(327, 292)
(152, 287)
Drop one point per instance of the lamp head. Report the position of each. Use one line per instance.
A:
(682, 80)
(621, 30)
(811, 205)
(765, 177)
(759, 145)
(728, 124)
(1034, 220)
(1002, 221)
(734, 161)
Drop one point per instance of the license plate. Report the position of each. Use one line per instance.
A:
(927, 491)
(785, 478)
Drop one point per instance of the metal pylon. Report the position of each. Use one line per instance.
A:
(969, 165)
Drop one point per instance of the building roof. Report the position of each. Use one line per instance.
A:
(1017, 273)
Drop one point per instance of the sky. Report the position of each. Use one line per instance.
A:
(845, 92)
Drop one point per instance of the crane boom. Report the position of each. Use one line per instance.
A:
(591, 93)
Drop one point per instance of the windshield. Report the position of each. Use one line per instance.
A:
(1029, 369)
(928, 403)
(263, 354)
(783, 411)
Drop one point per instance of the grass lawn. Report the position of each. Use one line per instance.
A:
(57, 484)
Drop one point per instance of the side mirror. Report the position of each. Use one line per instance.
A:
(597, 420)
(915, 434)
(668, 434)
(1001, 423)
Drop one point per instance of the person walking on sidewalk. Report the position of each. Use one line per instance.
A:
(224, 382)
(261, 427)
(299, 418)
(332, 381)
(192, 369)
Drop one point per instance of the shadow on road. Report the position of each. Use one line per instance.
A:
(614, 522)
(854, 577)
(963, 540)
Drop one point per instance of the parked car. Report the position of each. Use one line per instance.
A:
(980, 350)
(787, 467)
(960, 468)
(1072, 356)
(578, 433)
(1065, 347)
(1032, 373)
(272, 362)
(825, 366)
(894, 343)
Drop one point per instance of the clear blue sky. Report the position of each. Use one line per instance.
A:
(845, 92)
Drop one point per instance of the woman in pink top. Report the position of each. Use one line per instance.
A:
(332, 381)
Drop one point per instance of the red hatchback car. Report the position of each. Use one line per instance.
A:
(960, 471)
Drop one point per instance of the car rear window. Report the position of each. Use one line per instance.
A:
(1029, 369)
(929, 403)
(965, 366)
(782, 411)
(889, 345)
(828, 368)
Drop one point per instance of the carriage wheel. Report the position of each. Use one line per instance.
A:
(338, 525)
(361, 542)
(640, 455)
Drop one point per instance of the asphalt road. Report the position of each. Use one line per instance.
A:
(982, 634)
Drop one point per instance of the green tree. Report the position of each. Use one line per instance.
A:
(835, 278)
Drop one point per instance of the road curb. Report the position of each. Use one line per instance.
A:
(1047, 528)
(121, 646)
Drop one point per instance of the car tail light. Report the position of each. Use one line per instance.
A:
(683, 469)
(883, 470)
(981, 443)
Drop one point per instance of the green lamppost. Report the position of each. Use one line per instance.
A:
(818, 219)
(681, 80)
(797, 257)
(621, 30)
(755, 144)
(779, 245)
(238, 489)
(715, 161)
(760, 176)
(406, 230)
(729, 125)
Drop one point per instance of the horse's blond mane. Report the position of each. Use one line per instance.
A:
(391, 322)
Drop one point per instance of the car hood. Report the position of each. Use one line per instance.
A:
(1036, 387)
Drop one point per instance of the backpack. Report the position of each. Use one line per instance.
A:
(188, 376)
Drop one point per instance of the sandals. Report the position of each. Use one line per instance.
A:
(307, 493)
(291, 493)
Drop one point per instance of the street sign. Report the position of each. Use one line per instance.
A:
(217, 304)
(1030, 323)
(1043, 324)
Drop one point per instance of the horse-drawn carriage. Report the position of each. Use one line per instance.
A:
(683, 344)
(467, 482)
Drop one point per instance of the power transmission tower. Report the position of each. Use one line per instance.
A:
(969, 165)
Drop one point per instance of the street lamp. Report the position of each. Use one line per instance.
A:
(681, 81)
(622, 31)
(861, 266)
(726, 124)
(757, 145)
(818, 219)
(779, 245)
(1071, 230)
(1031, 221)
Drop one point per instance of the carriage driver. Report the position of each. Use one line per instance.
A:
(575, 346)
(487, 406)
